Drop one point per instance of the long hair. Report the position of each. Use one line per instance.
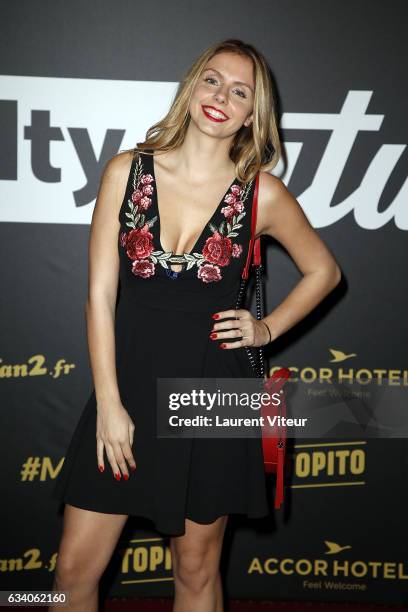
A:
(256, 147)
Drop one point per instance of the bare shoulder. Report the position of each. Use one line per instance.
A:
(277, 206)
(271, 189)
(113, 182)
(112, 187)
(117, 168)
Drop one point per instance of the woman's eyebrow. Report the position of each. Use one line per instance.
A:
(238, 82)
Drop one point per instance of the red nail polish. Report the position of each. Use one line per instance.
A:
(126, 476)
(213, 335)
(223, 345)
(216, 316)
(101, 468)
(117, 476)
(133, 467)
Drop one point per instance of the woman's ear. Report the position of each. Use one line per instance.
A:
(248, 120)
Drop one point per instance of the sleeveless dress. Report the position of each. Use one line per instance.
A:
(162, 326)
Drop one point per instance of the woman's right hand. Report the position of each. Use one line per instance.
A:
(114, 433)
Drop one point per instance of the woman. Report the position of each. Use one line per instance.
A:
(179, 258)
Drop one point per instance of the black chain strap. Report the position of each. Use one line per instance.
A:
(255, 354)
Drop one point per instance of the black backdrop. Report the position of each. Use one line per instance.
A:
(79, 81)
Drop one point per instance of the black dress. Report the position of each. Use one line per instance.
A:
(162, 326)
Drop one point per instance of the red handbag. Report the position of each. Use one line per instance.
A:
(273, 434)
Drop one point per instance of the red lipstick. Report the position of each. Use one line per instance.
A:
(220, 119)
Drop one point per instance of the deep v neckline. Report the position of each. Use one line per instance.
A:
(159, 224)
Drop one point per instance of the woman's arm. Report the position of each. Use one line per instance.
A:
(281, 216)
(115, 428)
(103, 277)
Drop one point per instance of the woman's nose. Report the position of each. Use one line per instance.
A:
(221, 95)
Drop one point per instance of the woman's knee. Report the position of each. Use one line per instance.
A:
(83, 554)
(195, 570)
(73, 572)
(196, 555)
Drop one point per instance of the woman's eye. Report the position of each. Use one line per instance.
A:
(238, 91)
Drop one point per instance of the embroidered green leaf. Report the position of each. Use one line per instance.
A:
(222, 227)
(142, 219)
(189, 257)
(129, 215)
(237, 226)
(199, 255)
(153, 258)
(166, 255)
(156, 252)
(137, 218)
(212, 228)
(246, 190)
(241, 215)
(138, 172)
(130, 224)
(232, 234)
(190, 264)
(151, 221)
(131, 205)
(234, 219)
(228, 227)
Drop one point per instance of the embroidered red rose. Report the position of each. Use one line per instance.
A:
(236, 190)
(136, 196)
(143, 268)
(123, 238)
(147, 190)
(236, 250)
(230, 198)
(209, 273)
(144, 203)
(228, 211)
(139, 243)
(218, 249)
(146, 179)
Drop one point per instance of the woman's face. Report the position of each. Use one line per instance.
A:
(222, 100)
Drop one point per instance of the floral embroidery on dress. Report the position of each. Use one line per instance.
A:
(217, 250)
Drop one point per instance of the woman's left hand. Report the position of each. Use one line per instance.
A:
(253, 332)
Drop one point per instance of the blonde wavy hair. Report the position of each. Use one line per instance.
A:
(256, 147)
